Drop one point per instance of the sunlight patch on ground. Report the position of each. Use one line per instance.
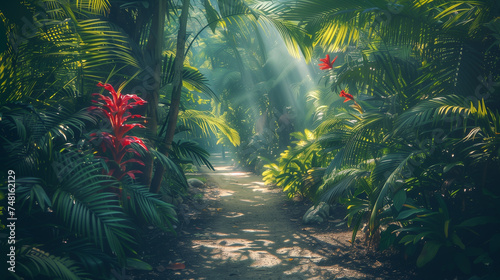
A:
(248, 200)
(220, 234)
(224, 192)
(224, 168)
(265, 242)
(233, 215)
(238, 249)
(257, 188)
(234, 174)
(263, 234)
(297, 252)
(254, 230)
(263, 259)
(260, 204)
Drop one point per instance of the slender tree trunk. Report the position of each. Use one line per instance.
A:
(175, 98)
(154, 47)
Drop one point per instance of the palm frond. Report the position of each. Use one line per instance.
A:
(450, 108)
(148, 206)
(98, 7)
(90, 257)
(32, 193)
(340, 184)
(190, 75)
(209, 123)
(87, 209)
(36, 262)
(392, 170)
(174, 171)
(247, 19)
(192, 150)
(65, 53)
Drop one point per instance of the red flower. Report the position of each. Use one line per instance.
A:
(346, 95)
(116, 110)
(326, 63)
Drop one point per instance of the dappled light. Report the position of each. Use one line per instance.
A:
(259, 238)
(250, 139)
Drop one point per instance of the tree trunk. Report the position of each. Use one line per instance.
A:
(154, 47)
(166, 144)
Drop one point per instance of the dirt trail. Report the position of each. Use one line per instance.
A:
(251, 231)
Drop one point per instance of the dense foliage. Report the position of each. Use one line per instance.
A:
(417, 160)
(82, 198)
(403, 128)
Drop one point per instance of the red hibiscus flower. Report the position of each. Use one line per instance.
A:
(326, 63)
(346, 95)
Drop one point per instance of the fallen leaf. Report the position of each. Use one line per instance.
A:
(290, 259)
(235, 226)
(176, 266)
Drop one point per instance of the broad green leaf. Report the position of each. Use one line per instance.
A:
(138, 264)
(407, 239)
(457, 241)
(476, 221)
(399, 199)
(428, 252)
(407, 213)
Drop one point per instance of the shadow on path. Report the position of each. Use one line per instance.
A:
(251, 235)
(251, 231)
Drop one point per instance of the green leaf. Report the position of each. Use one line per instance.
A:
(138, 264)
(211, 14)
(476, 221)
(457, 241)
(399, 199)
(483, 259)
(428, 252)
(407, 239)
(451, 165)
(407, 213)
(387, 237)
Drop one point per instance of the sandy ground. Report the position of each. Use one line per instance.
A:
(247, 230)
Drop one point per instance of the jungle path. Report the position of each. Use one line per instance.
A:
(248, 230)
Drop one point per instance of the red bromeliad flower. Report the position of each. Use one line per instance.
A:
(115, 109)
(326, 63)
(346, 95)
